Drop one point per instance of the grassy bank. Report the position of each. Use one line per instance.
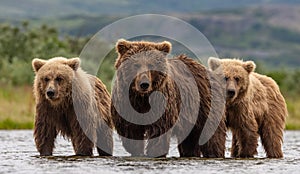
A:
(293, 120)
(17, 109)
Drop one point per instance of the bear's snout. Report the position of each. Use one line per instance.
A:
(144, 85)
(230, 93)
(50, 93)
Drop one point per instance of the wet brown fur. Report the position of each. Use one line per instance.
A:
(163, 83)
(257, 109)
(58, 116)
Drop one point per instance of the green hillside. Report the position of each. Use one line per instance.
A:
(267, 31)
(267, 34)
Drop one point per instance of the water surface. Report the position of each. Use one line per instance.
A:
(19, 155)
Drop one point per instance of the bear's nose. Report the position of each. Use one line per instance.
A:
(144, 85)
(50, 93)
(230, 93)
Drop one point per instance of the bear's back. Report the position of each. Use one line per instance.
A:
(268, 83)
(211, 92)
(273, 94)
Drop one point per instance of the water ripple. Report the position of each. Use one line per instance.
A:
(18, 155)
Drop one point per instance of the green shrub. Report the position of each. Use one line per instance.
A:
(19, 45)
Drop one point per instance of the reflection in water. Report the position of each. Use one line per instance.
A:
(18, 155)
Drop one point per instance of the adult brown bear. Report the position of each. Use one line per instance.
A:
(155, 97)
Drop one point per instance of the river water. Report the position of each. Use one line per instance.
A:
(19, 155)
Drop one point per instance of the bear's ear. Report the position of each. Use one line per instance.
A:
(37, 64)
(123, 46)
(164, 46)
(214, 63)
(74, 63)
(249, 66)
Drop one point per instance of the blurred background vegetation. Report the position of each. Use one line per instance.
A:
(267, 32)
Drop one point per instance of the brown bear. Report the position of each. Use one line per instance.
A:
(73, 103)
(148, 80)
(254, 107)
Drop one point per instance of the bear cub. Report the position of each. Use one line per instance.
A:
(72, 103)
(254, 107)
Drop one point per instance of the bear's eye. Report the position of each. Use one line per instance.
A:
(46, 79)
(58, 79)
(226, 78)
(136, 65)
(237, 79)
(150, 66)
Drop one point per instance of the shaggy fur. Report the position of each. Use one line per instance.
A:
(139, 58)
(255, 107)
(64, 94)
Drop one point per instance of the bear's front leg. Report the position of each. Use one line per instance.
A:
(234, 145)
(215, 147)
(104, 141)
(247, 135)
(134, 147)
(158, 146)
(82, 145)
(44, 135)
(189, 147)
